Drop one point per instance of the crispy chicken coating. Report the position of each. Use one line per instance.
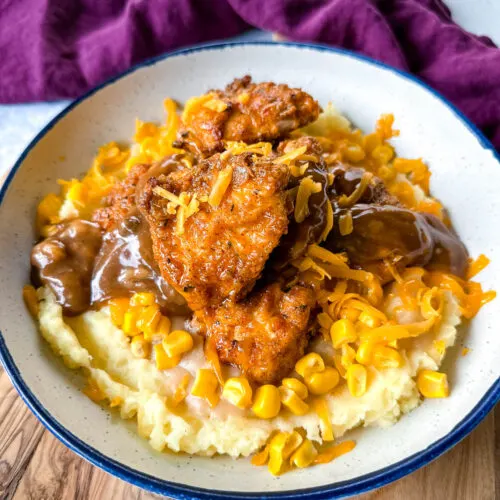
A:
(265, 334)
(120, 200)
(222, 247)
(244, 111)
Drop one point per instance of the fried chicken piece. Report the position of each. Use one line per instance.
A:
(265, 334)
(120, 200)
(244, 111)
(223, 248)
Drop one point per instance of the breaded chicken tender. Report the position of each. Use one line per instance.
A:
(220, 249)
(244, 111)
(120, 200)
(265, 334)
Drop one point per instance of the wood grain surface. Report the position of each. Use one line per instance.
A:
(36, 466)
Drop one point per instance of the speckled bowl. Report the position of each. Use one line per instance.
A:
(465, 175)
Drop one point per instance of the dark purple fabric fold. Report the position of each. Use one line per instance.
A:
(52, 49)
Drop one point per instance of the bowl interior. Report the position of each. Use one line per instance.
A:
(465, 176)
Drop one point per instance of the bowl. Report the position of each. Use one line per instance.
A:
(465, 176)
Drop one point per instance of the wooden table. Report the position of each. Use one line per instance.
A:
(34, 465)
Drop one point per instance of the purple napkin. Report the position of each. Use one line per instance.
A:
(52, 49)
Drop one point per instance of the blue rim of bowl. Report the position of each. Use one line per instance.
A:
(355, 486)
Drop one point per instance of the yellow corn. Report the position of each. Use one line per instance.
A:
(304, 455)
(164, 362)
(30, 299)
(364, 353)
(238, 392)
(321, 408)
(205, 386)
(369, 320)
(140, 347)
(129, 325)
(353, 153)
(163, 326)
(322, 382)
(292, 401)
(433, 384)
(296, 386)
(342, 332)
(177, 343)
(280, 448)
(181, 391)
(348, 356)
(149, 319)
(267, 402)
(310, 363)
(356, 376)
(337, 361)
(142, 299)
(117, 310)
(383, 153)
(260, 458)
(386, 357)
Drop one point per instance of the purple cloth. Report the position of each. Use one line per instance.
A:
(52, 49)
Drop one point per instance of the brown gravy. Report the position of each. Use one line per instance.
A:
(64, 262)
(384, 232)
(125, 265)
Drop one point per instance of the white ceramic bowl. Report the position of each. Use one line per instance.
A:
(465, 175)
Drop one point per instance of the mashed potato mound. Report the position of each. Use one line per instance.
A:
(91, 342)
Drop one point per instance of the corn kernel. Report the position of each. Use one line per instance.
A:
(205, 386)
(177, 343)
(296, 386)
(356, 376)
(342, 332)
(337, 361)
(129, 325)
(369, 320)
(160, 330)
(280, 448)
(238, 392)
(304, 455)
(140, 347)
(321, 408)
(142, 299)
(164, 362)
(322, 382)
(117, 310)
(383, 153)
(261, 457)
(432, 384)
(310, 363)
(292, 401)
(267, 402)
(30, 299)
(148, 319)
(181, 390)
(348, 356)
(364, 353)
(354, 153)
(386, 357)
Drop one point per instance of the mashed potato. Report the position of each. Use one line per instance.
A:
(140, 390)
